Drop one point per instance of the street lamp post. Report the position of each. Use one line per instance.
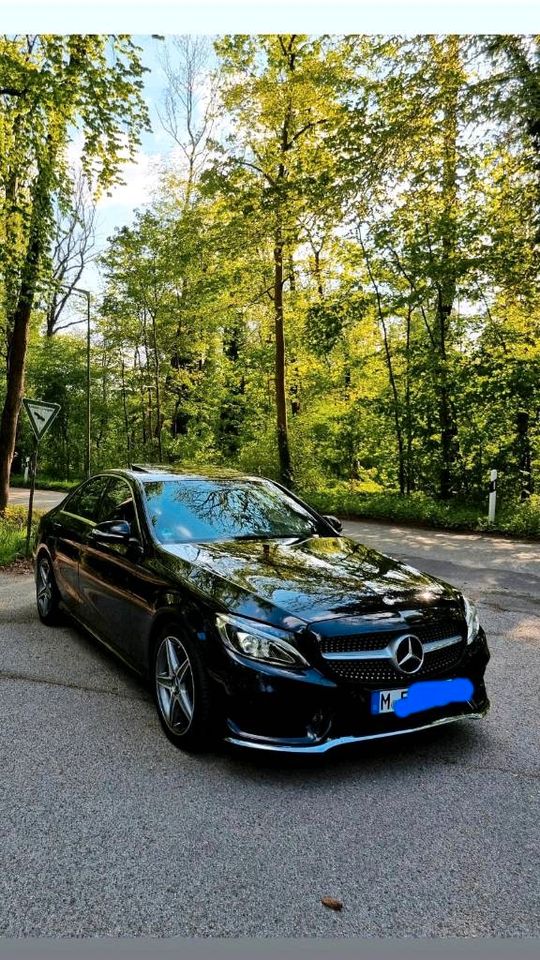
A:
(87, 459)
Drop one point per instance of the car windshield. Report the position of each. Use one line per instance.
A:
(190, 509)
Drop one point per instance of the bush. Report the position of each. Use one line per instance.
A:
(350, 501)
(523, 519)
(45, 483)
(13, 534)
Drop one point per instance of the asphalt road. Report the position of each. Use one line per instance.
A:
(108, 830)
(43, 499)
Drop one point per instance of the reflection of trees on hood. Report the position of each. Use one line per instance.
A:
(333, 571)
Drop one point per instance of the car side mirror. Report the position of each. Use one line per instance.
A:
(111, 531)
(333, 521)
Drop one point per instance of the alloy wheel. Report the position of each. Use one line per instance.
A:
(174, 685)
(44, 587)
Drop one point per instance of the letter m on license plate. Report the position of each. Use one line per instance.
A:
(382, 701)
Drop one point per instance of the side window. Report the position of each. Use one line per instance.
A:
(85, 502)
(117, 504)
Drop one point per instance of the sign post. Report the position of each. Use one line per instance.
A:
(41, 414)
(492, 496)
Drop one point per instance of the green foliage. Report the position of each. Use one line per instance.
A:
(45, 482)
(328, 319)
(400, 189)
(13, 534)
(52, 87)
(521, 519)
(352, 501)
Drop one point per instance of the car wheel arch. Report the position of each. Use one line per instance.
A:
(173, 617)
(43, 551)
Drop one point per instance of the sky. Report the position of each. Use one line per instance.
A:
(258, 16)
(142, 174)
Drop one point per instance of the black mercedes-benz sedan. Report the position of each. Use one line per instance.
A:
(252, 617)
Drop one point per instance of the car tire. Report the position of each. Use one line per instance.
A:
(47, 595)
(181, 690)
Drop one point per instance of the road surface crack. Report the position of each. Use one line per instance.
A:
(28, 678)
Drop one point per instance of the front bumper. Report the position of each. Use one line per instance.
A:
(306, 712)
(280, 746)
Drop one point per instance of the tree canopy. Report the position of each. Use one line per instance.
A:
(53, 89)
(336, 282)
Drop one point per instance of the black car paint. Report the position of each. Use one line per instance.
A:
(314, 588)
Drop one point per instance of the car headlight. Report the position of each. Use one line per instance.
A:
(471, 616)
(258, 641)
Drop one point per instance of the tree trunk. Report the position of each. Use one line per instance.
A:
(51, 315)
(292, 274)
(18, 326)
(285, 465)
(14, 395)
(447, 285)
(524, 455)
(147, 391)
(395, 405)
(125, 410)
(159, 418)
(142, 404)
(317, 272)
(408, 411)
(390, 367)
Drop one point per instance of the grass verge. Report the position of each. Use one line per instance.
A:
(516, 519)
(13, 535)
(44, 483)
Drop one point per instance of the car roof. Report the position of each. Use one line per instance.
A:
(149, 472)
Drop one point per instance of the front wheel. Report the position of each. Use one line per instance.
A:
(47, 596)
(182, 691)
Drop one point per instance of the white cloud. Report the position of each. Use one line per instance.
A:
(141, 177)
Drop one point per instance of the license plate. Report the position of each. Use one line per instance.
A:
(382, 701)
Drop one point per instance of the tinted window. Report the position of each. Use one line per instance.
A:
(189, 509)
(85, 502)
(117, 503)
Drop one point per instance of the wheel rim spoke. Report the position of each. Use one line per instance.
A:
(172, 656)
(44, 589)
(171, 705)
(182, 670)
(185, 703)
(174, 682)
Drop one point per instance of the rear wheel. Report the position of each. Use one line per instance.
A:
(182, 691)
(47, 596)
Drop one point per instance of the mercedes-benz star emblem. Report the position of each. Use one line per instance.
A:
(408, 653)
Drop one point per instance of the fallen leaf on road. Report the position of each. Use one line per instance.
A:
(332, 903)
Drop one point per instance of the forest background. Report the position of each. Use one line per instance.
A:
(334, 281)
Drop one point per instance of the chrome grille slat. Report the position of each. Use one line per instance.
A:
(385, 654)
(379, 639)
(366, 657)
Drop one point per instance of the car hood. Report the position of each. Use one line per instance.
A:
(293, 582)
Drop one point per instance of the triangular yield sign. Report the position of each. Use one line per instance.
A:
(41, 414)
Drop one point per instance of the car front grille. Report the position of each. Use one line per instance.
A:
(382, 669)
(378, 640)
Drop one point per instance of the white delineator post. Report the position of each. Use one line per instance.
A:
(492, 496)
